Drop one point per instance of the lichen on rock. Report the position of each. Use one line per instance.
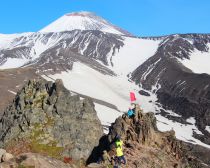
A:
(49, 120)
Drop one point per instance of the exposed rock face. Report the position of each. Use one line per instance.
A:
(45, 118)
(145, 146)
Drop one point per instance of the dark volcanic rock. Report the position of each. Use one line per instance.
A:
(144, 93)
(45, 118)
(173, 118)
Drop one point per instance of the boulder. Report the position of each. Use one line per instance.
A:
(2, 152)
(144, 93)
(7, 157)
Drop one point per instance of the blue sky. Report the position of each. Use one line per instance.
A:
(140, 17)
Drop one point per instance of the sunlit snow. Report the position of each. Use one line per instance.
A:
(134, 52)
(198, 62)
(12, 92)
(208, 128)
(13, 63)
(6, 39)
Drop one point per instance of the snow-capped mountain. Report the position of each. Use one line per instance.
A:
(101, 61)
(83, 21)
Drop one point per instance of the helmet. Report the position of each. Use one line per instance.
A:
(118, 136)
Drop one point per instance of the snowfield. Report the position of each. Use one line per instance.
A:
(14, 63)
(134, 53)
(106, 116)
(6, 39)
(87, 81)
(199, 62)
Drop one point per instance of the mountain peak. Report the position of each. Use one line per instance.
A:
(82, 13)
(83, 21)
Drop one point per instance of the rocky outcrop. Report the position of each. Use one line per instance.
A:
(146, 147)
(45, 118)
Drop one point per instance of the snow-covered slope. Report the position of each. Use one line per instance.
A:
(82, 21)
(134, 52)
(6, 39)
(198, 61)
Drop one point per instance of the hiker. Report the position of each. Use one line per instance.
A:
(119, 151)
(130, 113)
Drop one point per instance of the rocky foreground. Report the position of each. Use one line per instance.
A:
(45, 118)
(47, 127)
(146, 147)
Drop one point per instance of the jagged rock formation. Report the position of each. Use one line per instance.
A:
(146, 147)
(45, 118)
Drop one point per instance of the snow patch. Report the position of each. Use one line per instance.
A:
(6, 39)
(182, 131)
(106, 115)
(208, 128)
(12, 92)
(13, 63)
(150, 69)
(198, 62)
(134, 52)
